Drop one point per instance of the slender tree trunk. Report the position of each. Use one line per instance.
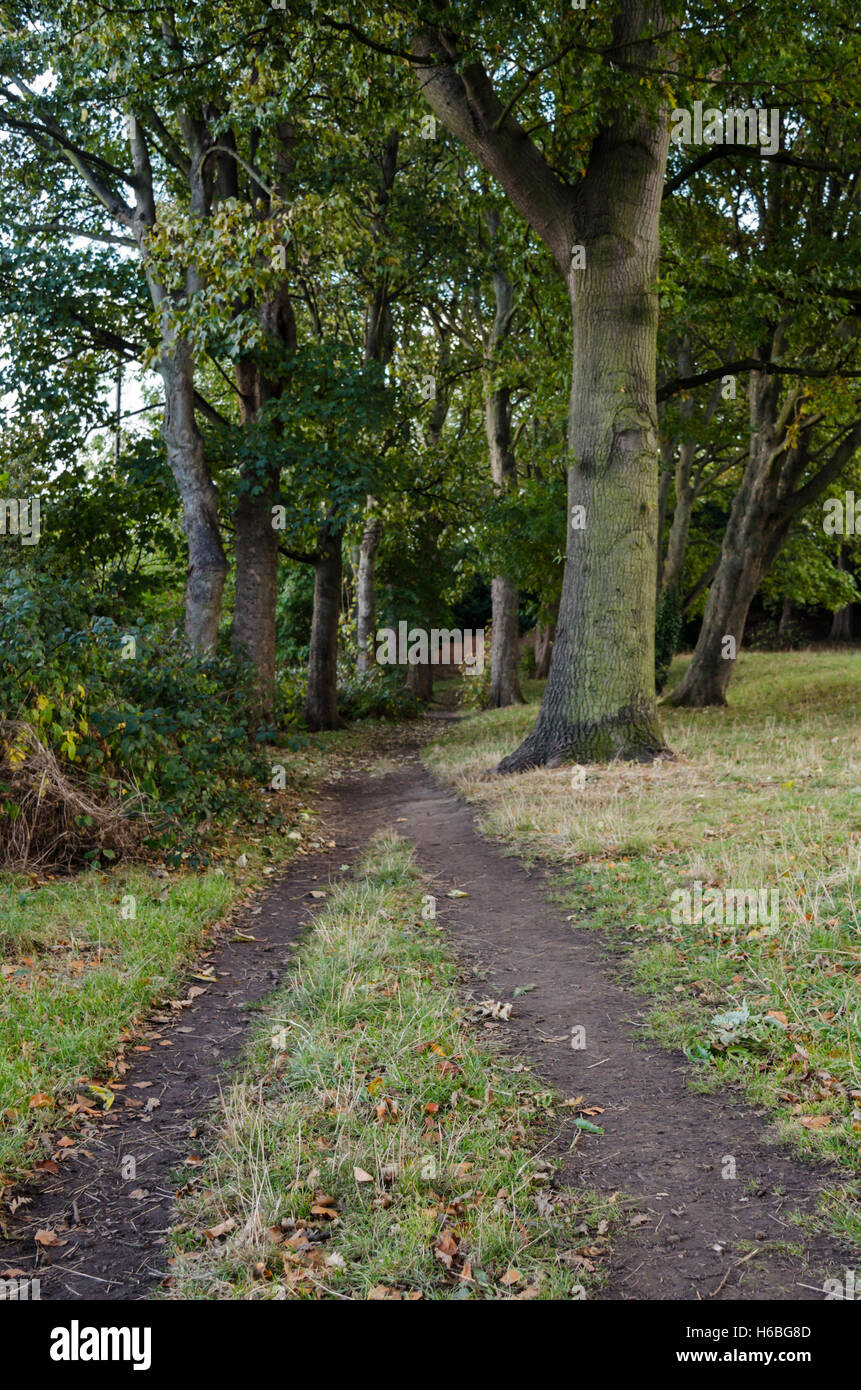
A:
(207, 565)
(545, 635)
(256, 538)
(378, 347)
(366, 599)
(420, 680)
(786, 613)
(841, 622)
(504, 645)
(321, 705)
(505, 600)
(677, 543)
(257, 585)
(504, 649)
(753, 537)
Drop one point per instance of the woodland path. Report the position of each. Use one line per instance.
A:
(687, 1230)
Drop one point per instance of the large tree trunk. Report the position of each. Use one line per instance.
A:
(366, 598)
(207, 565)
(599, 701)
(321, 704)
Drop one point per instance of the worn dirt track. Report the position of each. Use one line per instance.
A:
(663, 1145)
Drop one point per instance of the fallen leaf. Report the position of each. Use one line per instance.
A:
(511, 1276)
(49, 1237)
(446, 1248)
(221, 1230)
(361, 1176)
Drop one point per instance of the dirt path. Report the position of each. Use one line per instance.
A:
(663, 1145)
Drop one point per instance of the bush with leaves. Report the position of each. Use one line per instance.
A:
(128, 706)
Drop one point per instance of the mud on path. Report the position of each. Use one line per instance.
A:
(663, 1145)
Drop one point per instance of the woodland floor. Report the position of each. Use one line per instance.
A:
(696, 1235)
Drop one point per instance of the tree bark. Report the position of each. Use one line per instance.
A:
(786, 613)
(545, 635)
(378, 347)
(256, 597)
(505, 600)
(420, 680)
(366, 598)
(599, 702)
(761, 515)
(504, 645)
(207, 564)
(321, 704)
(841, 622)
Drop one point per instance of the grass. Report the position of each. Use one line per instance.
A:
(374, 1147)
(83, 958)
(764, 794)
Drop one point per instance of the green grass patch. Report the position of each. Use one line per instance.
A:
(374, 1148)
(763, 795)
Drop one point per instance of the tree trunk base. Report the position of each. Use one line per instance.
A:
(628, 735)
(698, 695)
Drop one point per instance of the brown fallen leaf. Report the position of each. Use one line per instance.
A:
(39, 1100)
(511, 1276)
(48, 1237)
(446, 1248)
(47, 1165)
(361, 1176)
(222, 1229)
(815, 1121)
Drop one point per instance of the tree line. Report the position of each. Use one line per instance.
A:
(430, 298)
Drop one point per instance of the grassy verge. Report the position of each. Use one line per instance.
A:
(83, 958)
(372, 1148)
(763, 795)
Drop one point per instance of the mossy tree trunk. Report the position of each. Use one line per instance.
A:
(599, 700)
